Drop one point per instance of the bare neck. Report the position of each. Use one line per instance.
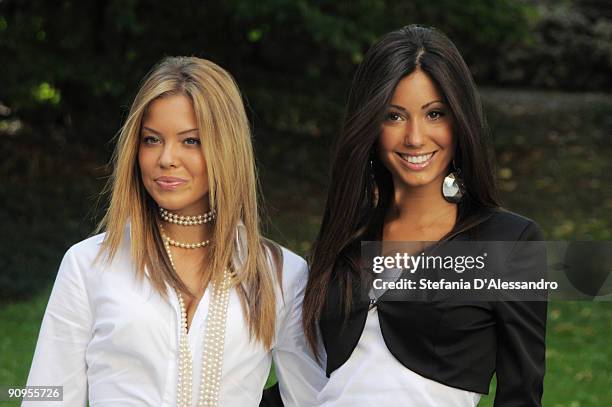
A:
(421, 208)
(187, 234)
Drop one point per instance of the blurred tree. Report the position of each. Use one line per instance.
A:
(69, 64)
(69, 67)
(570, 48)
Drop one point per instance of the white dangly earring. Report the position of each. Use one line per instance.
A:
(453, 188)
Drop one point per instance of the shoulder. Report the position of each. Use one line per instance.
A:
(292, 275)
(76, 264)
(85, 251)
(295, 269)
(89, 254)
(502, 224)
(289, 298)
(293, 265)
(292, 262)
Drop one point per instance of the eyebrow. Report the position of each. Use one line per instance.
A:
(159, 134)
(422, 107)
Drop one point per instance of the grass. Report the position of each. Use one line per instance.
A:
(19, 324)
(578, 354)
(553, 152)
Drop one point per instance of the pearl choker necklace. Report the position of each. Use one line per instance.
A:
(214, 341)
(186, 220)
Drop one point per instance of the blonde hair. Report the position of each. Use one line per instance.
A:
(228, 152)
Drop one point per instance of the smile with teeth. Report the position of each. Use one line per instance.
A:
(416, 159)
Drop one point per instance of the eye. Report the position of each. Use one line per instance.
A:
(150, 140)
(393, 117)
(192, 141)
(435, 114)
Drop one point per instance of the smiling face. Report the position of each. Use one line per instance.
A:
(171, 162)
(416, 143)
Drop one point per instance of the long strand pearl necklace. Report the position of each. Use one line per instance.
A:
(214, 341)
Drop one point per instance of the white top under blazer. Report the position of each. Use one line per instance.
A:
(113, 341)
(373, 377)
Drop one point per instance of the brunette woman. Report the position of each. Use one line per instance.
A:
(412, 163)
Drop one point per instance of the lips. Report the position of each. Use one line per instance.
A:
(169, 183)
(416, 161)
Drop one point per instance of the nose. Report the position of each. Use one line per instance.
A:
(168, 157)
(414, 136)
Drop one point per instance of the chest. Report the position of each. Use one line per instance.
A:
(421, 329)
(398, 231)
(132, 318)
(192, 272)
(135, 335)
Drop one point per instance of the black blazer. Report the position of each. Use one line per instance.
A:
(459, 344)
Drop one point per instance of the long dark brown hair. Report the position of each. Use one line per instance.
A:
(361, 188)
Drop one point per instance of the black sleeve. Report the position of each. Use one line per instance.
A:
(521, 337)
(271, 397)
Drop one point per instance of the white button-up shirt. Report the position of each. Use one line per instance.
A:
(113, 341)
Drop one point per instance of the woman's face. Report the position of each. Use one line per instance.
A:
(170, 157)
(416, 144)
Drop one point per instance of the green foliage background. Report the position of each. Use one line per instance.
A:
(68, 71)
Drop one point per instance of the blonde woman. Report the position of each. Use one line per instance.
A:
(180, 301)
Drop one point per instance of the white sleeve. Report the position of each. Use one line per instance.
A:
(299, 375)
(59, 358)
